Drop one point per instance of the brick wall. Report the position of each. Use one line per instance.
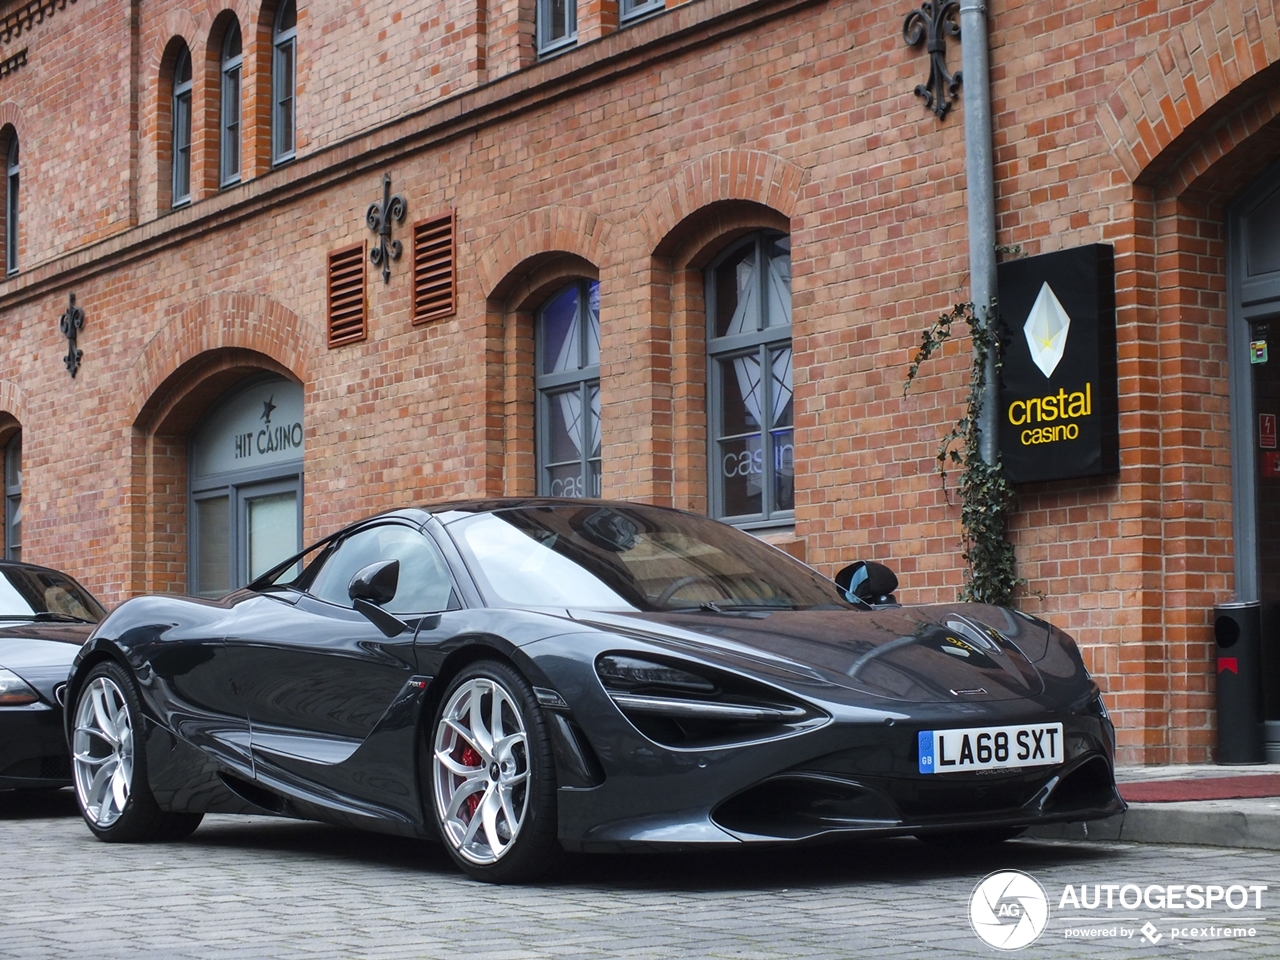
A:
(634, 159)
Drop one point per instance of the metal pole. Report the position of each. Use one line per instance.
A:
(980, 185)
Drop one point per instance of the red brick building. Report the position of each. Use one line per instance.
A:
(678, 254)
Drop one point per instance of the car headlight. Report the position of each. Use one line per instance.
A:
(1100, 707)
(14, 691)
(623, 672)
(673, 705)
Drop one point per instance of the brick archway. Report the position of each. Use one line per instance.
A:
(1218, 55)
(223, 321)
(13, 401)
(525, 243)
(723, 176)
(192, 360)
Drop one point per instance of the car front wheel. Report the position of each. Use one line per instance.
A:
(109, 764)
(493, 776)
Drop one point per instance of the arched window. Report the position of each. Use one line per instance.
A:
(229, 140)
(284, 61)
(182, 129)
(11, 209)
(568, 385)
(13, 498)
(752, 452)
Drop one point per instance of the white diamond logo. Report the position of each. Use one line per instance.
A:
(1046, 329)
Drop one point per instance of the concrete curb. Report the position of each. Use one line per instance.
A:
(1251, 824)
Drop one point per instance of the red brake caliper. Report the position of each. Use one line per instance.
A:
(469, 758)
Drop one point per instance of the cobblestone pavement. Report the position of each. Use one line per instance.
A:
(263, 888)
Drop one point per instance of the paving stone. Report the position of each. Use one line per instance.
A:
(244, 889)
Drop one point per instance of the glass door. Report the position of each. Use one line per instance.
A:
(270, 522)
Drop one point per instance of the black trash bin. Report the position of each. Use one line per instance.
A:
(1237, 627)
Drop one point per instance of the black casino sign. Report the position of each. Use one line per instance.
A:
(1058, 408)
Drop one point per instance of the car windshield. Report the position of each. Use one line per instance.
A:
(630, 557)
(32, 593)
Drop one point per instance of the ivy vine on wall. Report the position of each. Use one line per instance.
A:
(986, 497)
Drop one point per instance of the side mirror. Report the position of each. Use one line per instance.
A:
(376, 583)
(868, 581)
(373, 586)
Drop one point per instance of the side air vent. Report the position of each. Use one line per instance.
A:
(252, 793)
(435, 288)
(793, 807)
(347, 315)
(1089, 785)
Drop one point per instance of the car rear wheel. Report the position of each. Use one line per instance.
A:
(109, 764)
(493, 776)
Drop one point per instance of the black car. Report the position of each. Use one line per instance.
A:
(45, 617)
(525, 677)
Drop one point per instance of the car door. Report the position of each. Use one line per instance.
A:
(321, 682)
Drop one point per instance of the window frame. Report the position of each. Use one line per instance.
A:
(549, 385)
(11, 207)
(763, 341)
(282, 39)
(180, 123)
(238, 490)
(630, 11)
(548, 45)
(230, 134)
(12, 497)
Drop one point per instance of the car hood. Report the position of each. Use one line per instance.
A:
(42, 653)
(922, 654)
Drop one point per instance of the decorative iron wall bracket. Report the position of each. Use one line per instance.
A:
(72, 322)
(933, 23)
(379, 217)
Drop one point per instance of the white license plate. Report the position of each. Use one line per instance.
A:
(990, 748)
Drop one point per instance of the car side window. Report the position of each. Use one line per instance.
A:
(425, 585)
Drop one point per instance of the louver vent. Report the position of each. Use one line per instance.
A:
(346, 296)
(434, 280)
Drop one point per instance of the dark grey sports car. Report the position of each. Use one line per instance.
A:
(525, 677)
(45, 616)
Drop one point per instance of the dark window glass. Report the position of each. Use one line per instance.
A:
(557, 24)
(13, 498)
(568, 384)
(229, 141)
(752, 445)
(284, 82)
(634, 9)
(182, 129)
(627, 556)
(35, 593)
(11, 210)
(424, 585)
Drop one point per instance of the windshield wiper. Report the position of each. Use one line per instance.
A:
(706, 606)
(46, 616)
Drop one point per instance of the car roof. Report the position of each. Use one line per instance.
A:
(23, 565)
(489, 504)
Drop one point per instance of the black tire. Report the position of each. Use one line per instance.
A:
(511, 776)
(109, 764)
(982, 837)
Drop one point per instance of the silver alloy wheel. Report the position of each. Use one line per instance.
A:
(102, 751)
(480, 770)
